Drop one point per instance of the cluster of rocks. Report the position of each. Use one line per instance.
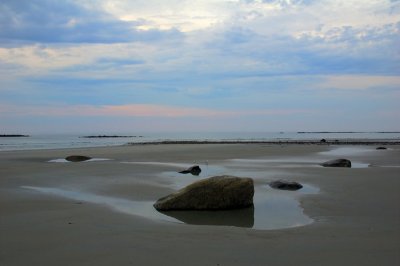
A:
(224, 192)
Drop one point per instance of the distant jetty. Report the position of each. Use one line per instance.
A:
(287, 142)
(346, 132)
(13, 136)
(109, 136)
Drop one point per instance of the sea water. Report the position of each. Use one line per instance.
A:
(58, 141)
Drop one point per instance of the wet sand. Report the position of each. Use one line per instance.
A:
(355, 214)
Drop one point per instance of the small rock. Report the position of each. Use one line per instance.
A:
(323, 140)
(337, 163)
(194, 170)
(77, 158)
(285, 185)
(381, 148)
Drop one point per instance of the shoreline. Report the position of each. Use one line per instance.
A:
(328, 143)
(280, 142)
(190, 142)
(14, 136)
(58, 141)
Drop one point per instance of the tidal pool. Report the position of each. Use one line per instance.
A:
(348, 151)
(273, 209)
(295, 162)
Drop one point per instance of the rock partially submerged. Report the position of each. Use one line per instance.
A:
(381, 148)
(77, 158)
(214, 193)
(194, 170)
(285, 185)
(337, 163)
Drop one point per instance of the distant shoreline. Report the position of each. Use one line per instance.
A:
(288, 142)
(13, 136)
(347, 132)
(109, 136)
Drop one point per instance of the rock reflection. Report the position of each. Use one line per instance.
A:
(239, 218)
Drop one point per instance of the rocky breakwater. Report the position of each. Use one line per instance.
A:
(214, 193)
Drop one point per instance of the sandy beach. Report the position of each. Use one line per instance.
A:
(100, 212)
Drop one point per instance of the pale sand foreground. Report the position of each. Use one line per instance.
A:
(356, 212)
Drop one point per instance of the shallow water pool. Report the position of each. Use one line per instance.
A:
(272, 209)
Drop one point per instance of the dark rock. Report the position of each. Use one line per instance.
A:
(337, 163)
(285, 185)
(323, 140)
(77, 158)
(214, 193)
(381, 148)
(194, 170)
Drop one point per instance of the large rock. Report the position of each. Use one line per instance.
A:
(77, 158)
(337, 163)
(285, 185)
(194, 170)
(214, 193)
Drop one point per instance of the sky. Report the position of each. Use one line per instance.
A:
(105, 66)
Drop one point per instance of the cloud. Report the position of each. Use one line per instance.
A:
(360, 82)
(133, 110)
(46, 21)
(199, 59)
(285, 41)
(138, 110)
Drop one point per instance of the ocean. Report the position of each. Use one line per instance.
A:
(59, 141)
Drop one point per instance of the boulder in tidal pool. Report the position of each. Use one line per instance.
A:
(337, 163)
(214, 193)
(285, 185)
(77, 158)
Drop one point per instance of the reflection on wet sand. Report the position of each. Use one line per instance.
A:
(239, 218)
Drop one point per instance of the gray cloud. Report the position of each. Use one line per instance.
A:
(46, 21)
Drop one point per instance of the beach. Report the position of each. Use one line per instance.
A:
(100, 212)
